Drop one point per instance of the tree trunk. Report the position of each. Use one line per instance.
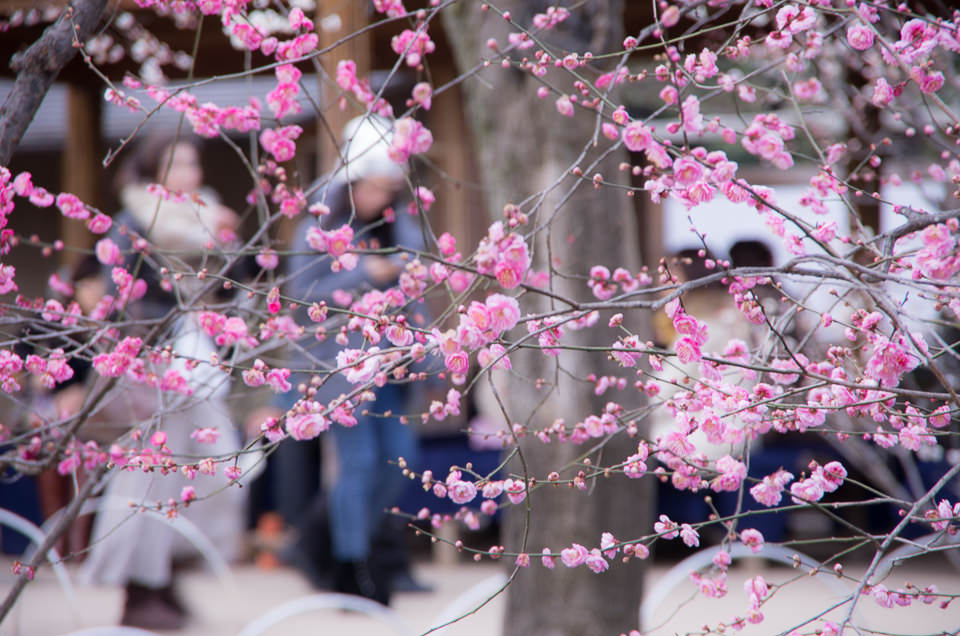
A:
(526, 147)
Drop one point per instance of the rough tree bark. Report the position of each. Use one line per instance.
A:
(38, 67)
(524, 146)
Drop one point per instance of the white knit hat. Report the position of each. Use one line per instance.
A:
(366, 140)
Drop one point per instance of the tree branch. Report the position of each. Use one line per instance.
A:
(38, 67)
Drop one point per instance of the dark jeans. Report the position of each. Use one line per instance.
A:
(367, 483)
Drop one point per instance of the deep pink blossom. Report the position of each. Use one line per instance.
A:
(666, 527)
(689, 536)
(769, 491)
(234, 331)
(860, 37)
(413, 45)
(564, 106)
(71, 206)
(99, 223)
(890, 360)
(752, 538)
(516, 490)
(410, 137)
(732, 473)
(595, 562)
(574, 555)
(304, 426)
(687, 350)
(461, 492)
(883, 93)
(636, 136)
(207, 435)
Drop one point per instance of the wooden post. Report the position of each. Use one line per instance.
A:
(650, 224)
(460, 195)
(351, 16)
(80, 164)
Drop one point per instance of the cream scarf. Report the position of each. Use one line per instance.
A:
(181, 226)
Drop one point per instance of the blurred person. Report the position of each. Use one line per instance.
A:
(714, 308)
(774, 450)
(84, 284)
(359, 194)
(751, 253)
(181, 222)
(757, 253)
(138, 549)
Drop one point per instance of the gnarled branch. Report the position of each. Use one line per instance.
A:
(38, 67)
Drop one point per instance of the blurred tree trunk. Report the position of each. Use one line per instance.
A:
(524, 147)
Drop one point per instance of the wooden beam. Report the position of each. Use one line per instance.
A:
(9, 6)
(80, 163)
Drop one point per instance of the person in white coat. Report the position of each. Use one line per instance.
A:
(134, 543)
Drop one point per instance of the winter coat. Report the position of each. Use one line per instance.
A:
(310, 279)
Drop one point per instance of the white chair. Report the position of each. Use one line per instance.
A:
(36, 535)
(680, 573)
(322, 601)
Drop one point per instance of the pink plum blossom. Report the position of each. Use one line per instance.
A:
(752, 539)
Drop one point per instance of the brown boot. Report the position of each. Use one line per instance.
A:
(149, 608)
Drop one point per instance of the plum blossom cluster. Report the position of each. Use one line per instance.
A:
(793, 21)
(226, 331)
(335, 242)
(595, 559)
(938, 258)
(365, 319)
(822, 480)
(413, 45)
(697, 177)
(692, 334)
(441, 410)
(504, 256)
(892, 357)
(155, 456)
(769, 491)
(260, 374)
(359, 365)
(49, 371)
(945, 517)
(347, 80)
(410, 137)
(604, 285)
(766, 137)
(455, 278)
(903, 597)
(721, 403)
(480, 325)
(77, 456)
(125, 361)
(577, 555)
(463, 490)
(757, 590)
(281, 142)
(207, 119)
(252, 31)
(391, 8)
(282, 100)
(306, 420)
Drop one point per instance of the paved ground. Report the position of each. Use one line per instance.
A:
(224, 609)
